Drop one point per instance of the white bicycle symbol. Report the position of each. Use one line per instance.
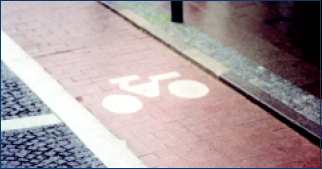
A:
(124, 103)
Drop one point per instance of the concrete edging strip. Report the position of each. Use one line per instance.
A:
(112, 151)
(29, 122)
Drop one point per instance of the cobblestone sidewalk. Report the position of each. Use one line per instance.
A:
(47, 146)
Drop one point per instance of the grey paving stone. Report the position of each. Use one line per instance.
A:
(17, 100)
(52, 146)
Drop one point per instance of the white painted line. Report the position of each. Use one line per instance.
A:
(147, 89)
(165, 76)
(29, 122)
(110, 150)
(125, 79)
(189, 89)
(122, 104)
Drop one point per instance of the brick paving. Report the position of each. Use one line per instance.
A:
(84, 45)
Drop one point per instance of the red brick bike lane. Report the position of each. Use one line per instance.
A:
(198, 123)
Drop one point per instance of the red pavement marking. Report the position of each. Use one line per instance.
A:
(222, 129)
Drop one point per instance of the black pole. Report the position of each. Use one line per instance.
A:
(177, 11)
